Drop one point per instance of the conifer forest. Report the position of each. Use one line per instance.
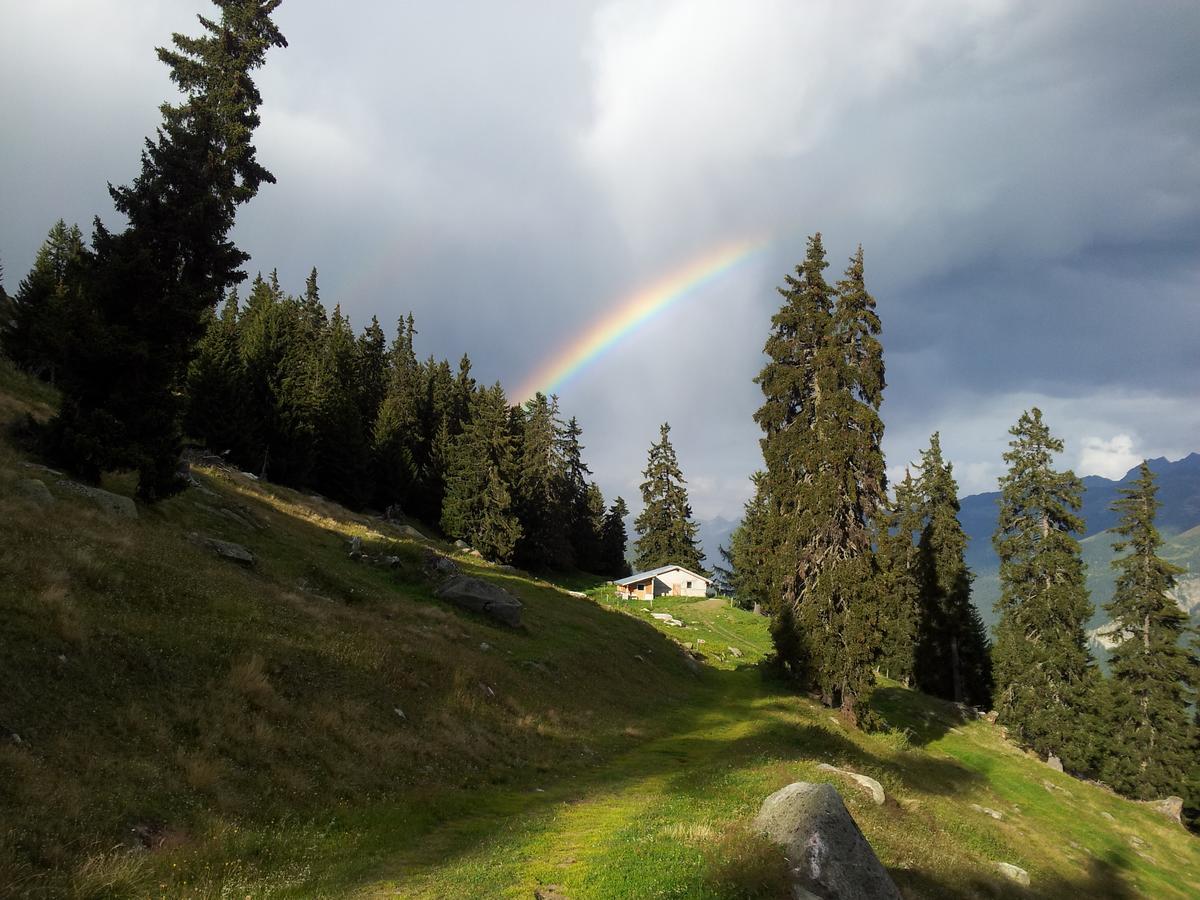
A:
(164, 358)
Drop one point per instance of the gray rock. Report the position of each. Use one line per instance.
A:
(436, 564)
(481, 596)
(1171, 807)
(474, 553)
(987, 811)
(230, 551)
(868, 784)
(1054, 762)
(1014, 873)
(735, 652)
(115, 504)
(828, 855)
(41, 468)
(409, 531)
(355, 547)
(35, 490)
(462, 545)
(580, 594)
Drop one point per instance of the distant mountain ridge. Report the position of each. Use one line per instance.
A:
(1178, 518)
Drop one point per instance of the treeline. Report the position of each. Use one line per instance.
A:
(858, 583)
(282, 387)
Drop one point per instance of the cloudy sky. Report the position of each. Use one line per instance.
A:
(1024, 178)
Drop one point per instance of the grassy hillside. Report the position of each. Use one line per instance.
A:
(174, 724)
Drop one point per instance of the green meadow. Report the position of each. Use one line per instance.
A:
(177, 725)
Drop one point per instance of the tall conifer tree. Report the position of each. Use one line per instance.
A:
(541, 487)
(750, 555)
(342, 451)
(394, 435)
(953, 657)
(825, 478)
(614, 540)
(900, 582)
(478, 507)
(1045, 678)
(216, 411)
(1152, 736)
(151, 285)
(35, 337)
(666, 533)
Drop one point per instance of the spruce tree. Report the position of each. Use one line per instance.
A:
(7, 312)
(1152, 735)
(666, 532)
(541, 488)
(953, 657)
(614, 540)
(579, 498)
(825, 479)
(216, 386)
(341, 460)
(393, 439)
(372, 372)
(150, 286)
(431, 439)
(1044, 674)
(478, 507)
(36, 334)
(900, 582)
(280, 347)
(749, 556)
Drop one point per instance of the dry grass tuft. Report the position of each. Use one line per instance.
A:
(745, 863)
(248, 679)
(118, 872)
(67, 620)
(201, 773)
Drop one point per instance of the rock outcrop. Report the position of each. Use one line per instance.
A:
(1171, 807)
(864, 782)
(483, 597)
(1013, 873)
(114, 504)
(35, 489)
(829, 857)
(229, 550)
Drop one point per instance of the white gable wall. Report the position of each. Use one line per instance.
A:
(679, 583)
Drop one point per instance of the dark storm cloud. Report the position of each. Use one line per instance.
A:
(1025, 179)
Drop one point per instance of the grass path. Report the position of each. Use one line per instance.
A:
(619, 832)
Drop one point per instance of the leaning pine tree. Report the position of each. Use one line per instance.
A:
(1044, 674)
(666, 532)
(825, 479)
(1153, 674)
(151, 285)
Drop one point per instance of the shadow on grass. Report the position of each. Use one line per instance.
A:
(923, 718)
(695, 765)
(1105, 879)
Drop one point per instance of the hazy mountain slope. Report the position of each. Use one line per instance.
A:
(1179, 492)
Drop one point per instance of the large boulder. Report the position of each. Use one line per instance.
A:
(828, 856)
(114, 504)
(481, 596)
(35, 489)
(1171, 807)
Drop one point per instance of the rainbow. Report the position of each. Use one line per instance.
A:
(634, 311)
